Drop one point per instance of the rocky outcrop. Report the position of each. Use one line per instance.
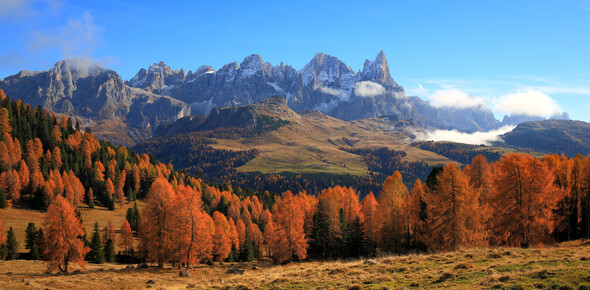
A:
(271, 111)
(84, 89)
(158, 76)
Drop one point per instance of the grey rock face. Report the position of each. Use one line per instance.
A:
(325, 84)
(85, 89)
(248, 116)
(157, 77)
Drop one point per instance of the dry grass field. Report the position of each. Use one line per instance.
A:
(565, 266)
(311, 144)
(18, 218)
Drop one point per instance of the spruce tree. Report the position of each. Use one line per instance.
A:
(344, 242)
(109, 251)
(96, 254)
(321, 238)
(3, 201)
(247, 252)
(31, 241)
(133, 217)
(12, 245)
(40, 242)
(357, 245)
(233, 254)
(136, 216)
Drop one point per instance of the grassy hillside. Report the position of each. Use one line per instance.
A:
(552, 136)
(564, 266)
(18, 218)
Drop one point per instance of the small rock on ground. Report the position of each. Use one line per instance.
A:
(235, 271)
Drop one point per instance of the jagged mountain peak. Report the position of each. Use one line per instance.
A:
(204, 69)
(252, 61)
(378, 71)
(324, 70)
(159, 75)
(78, 67)
(251, 65)
(232, 66)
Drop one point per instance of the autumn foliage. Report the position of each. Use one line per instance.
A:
(64, 231)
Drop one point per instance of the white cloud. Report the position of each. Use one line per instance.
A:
(330, 91)
(368, 89)
(456, 99)
(75, 38)
(529, 103)
(476, 138)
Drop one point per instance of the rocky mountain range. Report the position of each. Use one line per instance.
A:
(159, 95)
(325, 84)
(93, 94)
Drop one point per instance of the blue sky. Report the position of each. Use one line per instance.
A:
(490, 51)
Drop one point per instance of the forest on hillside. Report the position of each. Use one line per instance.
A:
(48, 163)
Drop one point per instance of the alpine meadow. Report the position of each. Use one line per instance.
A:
(297, 171)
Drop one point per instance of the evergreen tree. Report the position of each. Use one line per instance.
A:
(3, 201)
(133, 217)
(96, 254)
(31, 241)
(233, 254)
(40, 242)
(12, 245)
(136, 217)
(357, 245)
(247, 252)
(344, 242)
(324, 241)
(109, 251)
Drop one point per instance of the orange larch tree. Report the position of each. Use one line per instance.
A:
(157, 222)
(523, 201)
(241, 229)
(369, 219)
(349, 202)
(221, 240)
(453, 210)
(126, 240)
(289, 219)
(63, 236)
(391, 214)
(194, 228)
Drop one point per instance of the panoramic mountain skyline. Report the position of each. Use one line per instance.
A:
(470, 54)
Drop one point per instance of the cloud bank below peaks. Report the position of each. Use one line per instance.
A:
(476, 138)
(529, 103)
(453, 98)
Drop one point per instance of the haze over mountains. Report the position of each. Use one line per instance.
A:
(129, 111)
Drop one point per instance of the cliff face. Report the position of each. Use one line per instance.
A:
(271, 110)
(87, 91)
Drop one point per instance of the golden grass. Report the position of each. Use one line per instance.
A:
(19, 218)
(312, 145)
(565, 266)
